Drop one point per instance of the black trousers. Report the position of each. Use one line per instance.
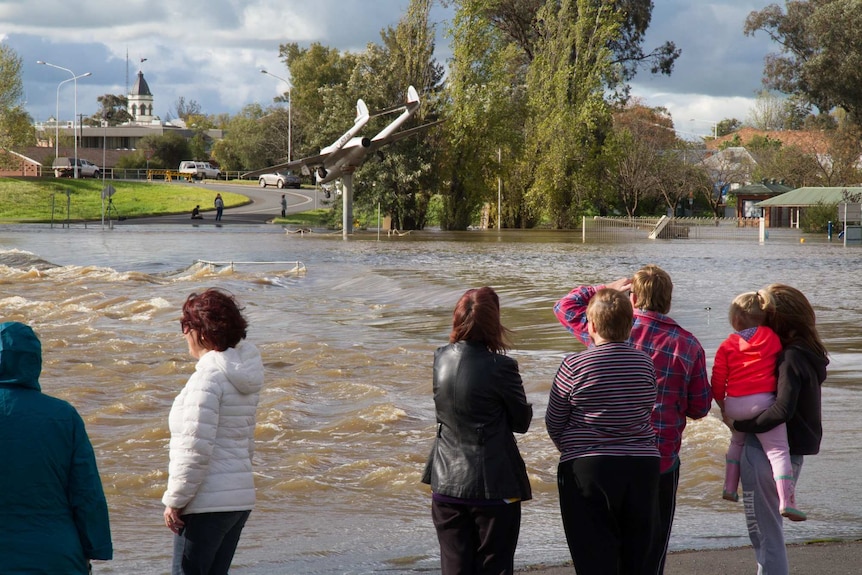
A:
(609, 506)
(207, 543)
(667, 486)
(477, 540)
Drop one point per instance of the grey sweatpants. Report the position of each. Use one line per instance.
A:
(760, 496)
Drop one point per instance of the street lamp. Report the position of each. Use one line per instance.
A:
(74, 78)
(289, 107)
(714, 126)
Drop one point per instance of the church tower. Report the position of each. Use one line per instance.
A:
(141, 101)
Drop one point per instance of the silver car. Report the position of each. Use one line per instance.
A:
(280, 180)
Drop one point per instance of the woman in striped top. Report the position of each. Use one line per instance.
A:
(598, 416)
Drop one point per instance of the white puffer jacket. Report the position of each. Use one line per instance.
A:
(212, 433)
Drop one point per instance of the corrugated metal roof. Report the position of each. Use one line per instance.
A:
(761, 189)
(801, 197)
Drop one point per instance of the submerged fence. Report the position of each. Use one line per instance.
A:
(602, 229)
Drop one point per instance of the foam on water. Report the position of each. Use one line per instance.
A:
(347, 418)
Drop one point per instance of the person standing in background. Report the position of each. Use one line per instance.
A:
(211, 491)
(219, 206)
(680, 365)
(283, 205)
(53, 512)
(801, 372)
(477, 476)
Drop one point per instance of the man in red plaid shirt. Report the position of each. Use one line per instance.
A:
(680, 365)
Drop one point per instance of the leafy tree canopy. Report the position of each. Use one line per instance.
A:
(15, 123)
(820, 56)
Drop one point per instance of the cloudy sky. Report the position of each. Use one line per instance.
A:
(211, 51)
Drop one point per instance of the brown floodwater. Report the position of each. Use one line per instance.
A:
(346, 419)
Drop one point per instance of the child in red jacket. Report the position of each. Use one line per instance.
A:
(743, 386)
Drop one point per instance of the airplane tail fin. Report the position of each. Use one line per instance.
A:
(361, 111)
(409, 109)
(412, 96)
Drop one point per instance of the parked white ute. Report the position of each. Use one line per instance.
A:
(199, 170)
(63, 167)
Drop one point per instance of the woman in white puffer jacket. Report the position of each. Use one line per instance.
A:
(210, 490)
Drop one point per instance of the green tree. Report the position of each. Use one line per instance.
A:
(14, 120)
(244, 146)
(569, 117)
(820, 57)
(841, 162)
(485, 117)
(319, 76)
(727, 126)
(520, 22)
(634, 158)
(402, 179)
(816, 218)
(165, 151)
(185, 109)
(680, 179)
(772, 112)
(788, 164)
(16, 129)
(112, 108)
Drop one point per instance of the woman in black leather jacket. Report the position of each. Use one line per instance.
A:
(475, 470)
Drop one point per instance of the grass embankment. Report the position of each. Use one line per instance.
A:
(33, 200)
(319, 218)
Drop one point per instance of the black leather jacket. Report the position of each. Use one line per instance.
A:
(480, 401)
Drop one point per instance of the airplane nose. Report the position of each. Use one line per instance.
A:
(366, 142)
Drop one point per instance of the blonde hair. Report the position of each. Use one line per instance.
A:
(611, 314)
(652, 288)
(749, 309)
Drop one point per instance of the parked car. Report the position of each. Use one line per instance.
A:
(199, 170)
(63, 168)
(280, 180)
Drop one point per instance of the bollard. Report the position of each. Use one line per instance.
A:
(829, 230)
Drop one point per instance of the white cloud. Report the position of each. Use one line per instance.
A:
(211, 51)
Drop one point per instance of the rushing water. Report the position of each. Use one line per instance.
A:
(346, 419)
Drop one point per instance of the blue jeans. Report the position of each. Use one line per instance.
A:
(205, 546)
(765, 527)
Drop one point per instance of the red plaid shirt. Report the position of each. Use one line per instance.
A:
(680, 367)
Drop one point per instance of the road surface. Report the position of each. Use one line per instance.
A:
(264, 207)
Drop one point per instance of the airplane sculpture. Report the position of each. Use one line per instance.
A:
(341, 158)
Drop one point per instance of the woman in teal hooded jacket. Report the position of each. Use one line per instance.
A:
(53, 513)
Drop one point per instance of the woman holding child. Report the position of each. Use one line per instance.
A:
(801, 371)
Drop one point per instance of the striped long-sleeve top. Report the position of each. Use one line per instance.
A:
(601, 402)
(680, 365)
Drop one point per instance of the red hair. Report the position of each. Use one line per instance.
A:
(477, 318)
(217, 318)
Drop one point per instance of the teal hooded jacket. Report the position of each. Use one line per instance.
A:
(53, 513)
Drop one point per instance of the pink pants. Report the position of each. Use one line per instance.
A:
(774, 441)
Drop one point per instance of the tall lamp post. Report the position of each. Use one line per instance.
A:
(714, 126)
(74, 78)
(289, 109)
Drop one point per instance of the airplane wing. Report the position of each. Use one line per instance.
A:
(349, 151)
(362, 117)
(375, 143)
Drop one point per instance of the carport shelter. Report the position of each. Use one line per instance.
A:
(784, 210)
(748, 196)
